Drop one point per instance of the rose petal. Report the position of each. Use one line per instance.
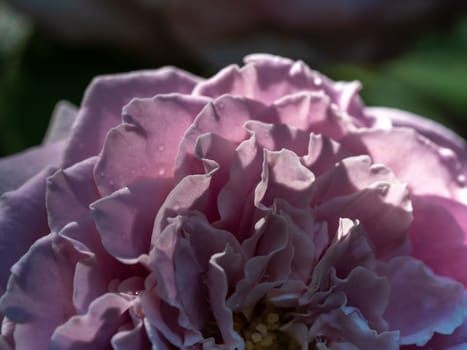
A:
(323, 154)
(124, 219)
(17, 169)
(275, 137)
(132, 339)
(438, 235)
(95, 329)
(218, 289)
(421, 157)
(61, 122)
(367, 292)
(38, 297)
(421, 302)
(264, 78)
(141, 147)
(350, 331)
(103, 101)
(370, 193)
(215, 118)
(16, 233)
(69, 193)
(437, 133)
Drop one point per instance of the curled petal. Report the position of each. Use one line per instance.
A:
(438, 235)
(95, 329)
(104, 99)
(421, 303)
(124, 218)
(16, 233)
(69, 193)
(427, 168)
(39, 294)
(141, 147)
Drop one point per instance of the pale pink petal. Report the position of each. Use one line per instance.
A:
(23, 220)
(245, 173)
(414, 159)
(420, 302)
(61, 122)
(314, 112)
(124, 219)
(275, 137)
(39, 294)
(69, 193)
(216, 118)
(264, 78)
(95, 329)
(17, 169)
(357, 189)
(323, 154)
(436, 132)
(438, 235)
(104, 99)
(284, 177)
(142, 147)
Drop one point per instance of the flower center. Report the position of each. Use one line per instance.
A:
(262, 330)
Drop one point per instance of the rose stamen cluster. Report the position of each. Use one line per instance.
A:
(262, 331)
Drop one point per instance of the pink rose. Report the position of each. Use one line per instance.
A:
(265, 207)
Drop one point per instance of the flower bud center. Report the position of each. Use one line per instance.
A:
(263, 330)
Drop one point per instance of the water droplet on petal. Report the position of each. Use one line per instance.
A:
(318, 81)
(461, 180)
(161, 148)
(161, 172)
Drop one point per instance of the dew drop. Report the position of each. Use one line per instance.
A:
(317, 81)
(161, 171)
(461, 180)
(161, 148)
(221, 105)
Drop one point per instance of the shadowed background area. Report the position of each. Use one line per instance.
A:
(410, 55)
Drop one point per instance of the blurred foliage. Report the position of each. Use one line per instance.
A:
(36, 72)
(430, 79)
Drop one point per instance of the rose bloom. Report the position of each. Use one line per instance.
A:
(263, 208)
